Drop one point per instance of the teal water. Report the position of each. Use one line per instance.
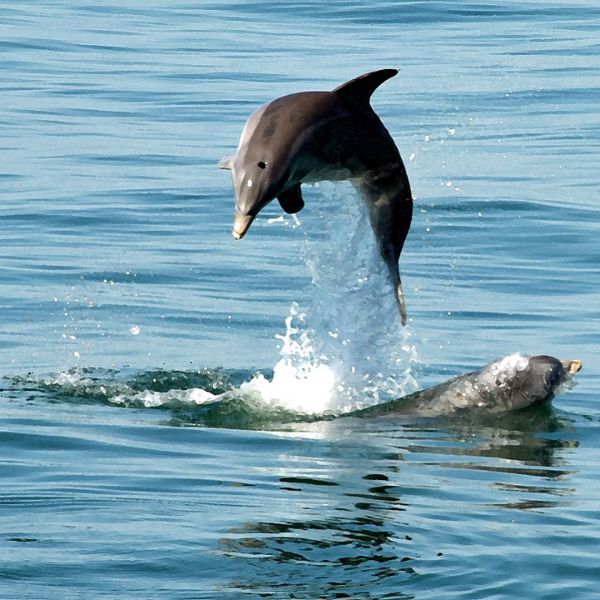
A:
(161, 383)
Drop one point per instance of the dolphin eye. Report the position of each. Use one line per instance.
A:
(262, 165)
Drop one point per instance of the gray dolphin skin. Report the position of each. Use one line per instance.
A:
(510, 384)
(315, 136)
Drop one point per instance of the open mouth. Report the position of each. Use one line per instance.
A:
(241, 225)
(572, 366)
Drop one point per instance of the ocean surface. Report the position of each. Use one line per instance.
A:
(162, 385)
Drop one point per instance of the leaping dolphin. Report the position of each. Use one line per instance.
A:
(315, 136)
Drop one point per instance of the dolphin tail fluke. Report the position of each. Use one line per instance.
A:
(401, 304)
(394, 274)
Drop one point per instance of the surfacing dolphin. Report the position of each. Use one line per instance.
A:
(509, 384)
(315, 136)
(505, 386)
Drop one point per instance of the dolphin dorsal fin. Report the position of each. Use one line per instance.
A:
(359, 90)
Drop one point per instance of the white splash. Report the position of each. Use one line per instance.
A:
(76, 383)
(151, 399)
(345, 348)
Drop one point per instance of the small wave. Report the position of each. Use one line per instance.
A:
(148, 389)
(205, 397)
(208, 397)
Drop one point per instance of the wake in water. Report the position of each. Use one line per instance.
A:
(217, 398)
(207, 397)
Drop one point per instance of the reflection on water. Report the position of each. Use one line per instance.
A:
(348, 528)
(353, 540)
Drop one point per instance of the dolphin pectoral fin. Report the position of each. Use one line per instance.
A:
(291, 200)
(226, 163)
(361, 89)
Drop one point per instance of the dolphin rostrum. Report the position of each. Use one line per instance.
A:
(315, 136)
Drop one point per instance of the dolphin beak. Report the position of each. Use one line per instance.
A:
(572, 366)
(241, 225)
